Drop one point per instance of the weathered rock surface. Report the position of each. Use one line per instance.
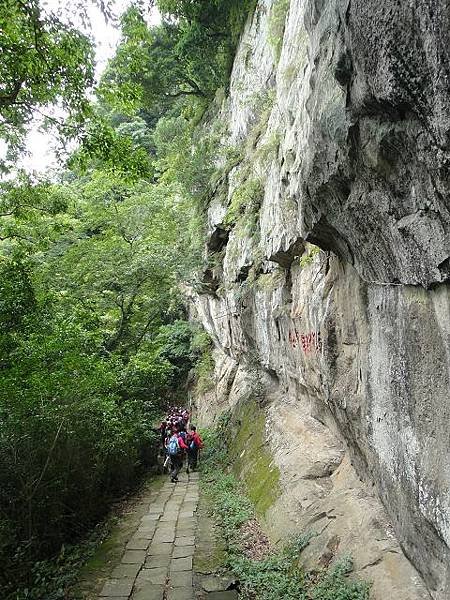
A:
(348, 134)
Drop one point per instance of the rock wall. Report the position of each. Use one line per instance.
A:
(338, 120)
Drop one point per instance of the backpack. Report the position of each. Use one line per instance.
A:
(173, 446)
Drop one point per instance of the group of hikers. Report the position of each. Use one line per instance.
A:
(179, 438)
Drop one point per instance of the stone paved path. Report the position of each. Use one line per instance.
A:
(157, 562)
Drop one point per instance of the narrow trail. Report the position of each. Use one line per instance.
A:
(157, 563)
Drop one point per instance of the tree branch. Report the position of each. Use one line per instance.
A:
(10, 99)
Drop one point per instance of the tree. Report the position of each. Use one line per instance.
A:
(31, 214)
(43, 63)
(188, 56)
(147, 70)
(208, 33)
(119, 262)
(87, 355)
(114, 149)
(94, 339)
(220, 19)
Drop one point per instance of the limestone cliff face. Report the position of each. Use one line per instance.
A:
(340, 114)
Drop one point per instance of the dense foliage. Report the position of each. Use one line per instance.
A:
(93, 336)
(189, 54)
(93, 343)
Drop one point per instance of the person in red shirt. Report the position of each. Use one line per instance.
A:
(195, 444)
(175, 449)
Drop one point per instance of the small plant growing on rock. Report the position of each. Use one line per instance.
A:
(201, 350)
(309, 254)
(263, 103)
(277, 23)
(246, 198)
(204, 371)
(269, 149)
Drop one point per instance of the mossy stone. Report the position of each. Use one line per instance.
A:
(250, 455)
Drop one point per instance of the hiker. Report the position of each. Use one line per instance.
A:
(194, 444)
(175, 450)
(168, 435)
(182, 431)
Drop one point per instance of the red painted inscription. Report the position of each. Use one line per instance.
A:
(308, 341)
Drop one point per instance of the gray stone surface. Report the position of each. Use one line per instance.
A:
(215, 583)
(150, 519)
(169, 517)
(125, 571)
(186, 513)
(187, 522)
(183, 551)
(150, 592)
(163, 570)
(187, 531)
(134, 557)
(157, 561)
(180, 594)
(353, 343)
(145, 532)
(181, 579)
(138, 543)
(154, 576)
(159, 549)
(181, 564)
(116, 588)
(163, 537)
(185, 540)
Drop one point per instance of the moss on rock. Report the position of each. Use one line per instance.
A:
(250, 455)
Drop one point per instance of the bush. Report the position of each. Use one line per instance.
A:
(201, 348)
(307, 257)
(50, 579)
(208, 34)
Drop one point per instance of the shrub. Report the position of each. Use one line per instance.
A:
(309, 254)
(269, 150)
(204, 371)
